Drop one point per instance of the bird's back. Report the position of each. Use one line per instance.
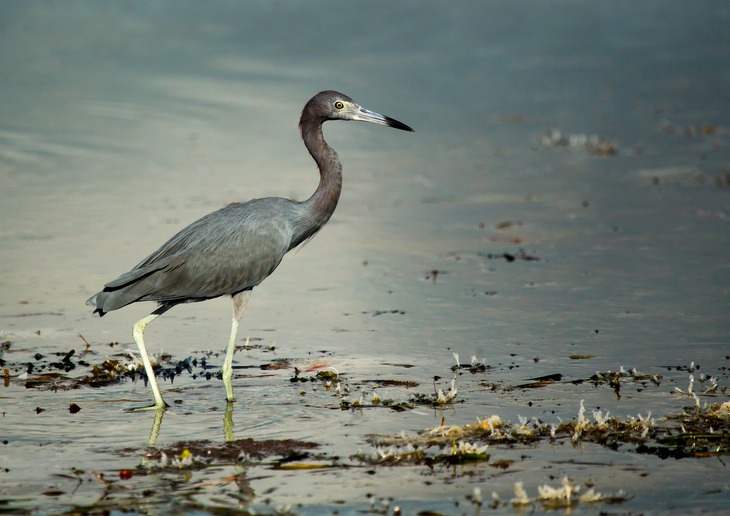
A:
(223, 253)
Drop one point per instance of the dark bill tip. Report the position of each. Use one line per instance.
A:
(392, 122)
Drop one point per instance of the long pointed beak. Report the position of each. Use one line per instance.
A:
(365, 115)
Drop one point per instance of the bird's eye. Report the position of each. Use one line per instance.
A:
(339, 104)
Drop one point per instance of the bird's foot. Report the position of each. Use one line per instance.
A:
(164, 407)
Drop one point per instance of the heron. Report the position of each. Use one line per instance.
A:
(232, 250)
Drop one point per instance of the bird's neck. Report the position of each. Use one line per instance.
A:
(322, 203)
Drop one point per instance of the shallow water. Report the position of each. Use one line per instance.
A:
(122, 123)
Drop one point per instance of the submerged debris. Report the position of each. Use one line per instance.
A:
(439, 397)
(563, 497)
(511, 257)
(407, 384)
(474, 366)
(592, 144)
(614, 379)
(541, 381)
(701, 432)
(460, 452)
(698, 433)
(200, 454)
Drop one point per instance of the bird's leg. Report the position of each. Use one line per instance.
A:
(240, 301)
(138, 334)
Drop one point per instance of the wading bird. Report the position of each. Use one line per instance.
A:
(232, 250)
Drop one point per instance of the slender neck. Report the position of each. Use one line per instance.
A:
(320, 206)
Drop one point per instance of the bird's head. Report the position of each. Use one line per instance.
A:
(332, 105)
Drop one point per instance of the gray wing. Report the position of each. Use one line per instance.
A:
(228, 251)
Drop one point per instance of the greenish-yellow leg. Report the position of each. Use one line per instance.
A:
(138, 334)
(240, 301)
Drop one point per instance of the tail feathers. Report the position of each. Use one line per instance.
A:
(92, 301)
(126, 289)
(109, 300)
(97, 301)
